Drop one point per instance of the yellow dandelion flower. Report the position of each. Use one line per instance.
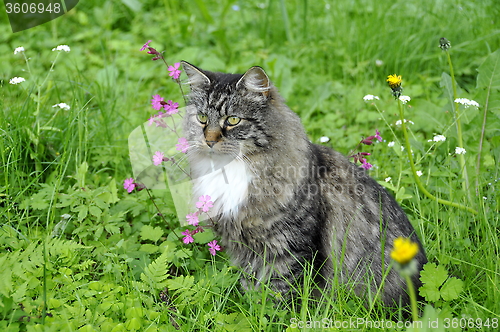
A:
(394, 81)
(404, 250)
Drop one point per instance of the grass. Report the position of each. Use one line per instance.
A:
(80, 253)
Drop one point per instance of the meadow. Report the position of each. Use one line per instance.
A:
(78, 252)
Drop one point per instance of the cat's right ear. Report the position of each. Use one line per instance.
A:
(195, 76)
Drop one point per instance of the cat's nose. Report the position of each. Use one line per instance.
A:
(211, 143)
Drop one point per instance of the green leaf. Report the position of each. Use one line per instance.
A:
(489, 72)
(95, 211)
(430, 292)
(182, 282)
(151, 233)
(451, 289)
(433, 275)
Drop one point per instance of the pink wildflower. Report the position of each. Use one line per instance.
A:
(192, 219)
(171, 107)
(146, 45)
(158, 158)
(156, 102)
(377, 135)
(213, 247)
(366, 165)
(174, 70)
(183, 145)
(188, 238)
(204, 203)
(129, 185)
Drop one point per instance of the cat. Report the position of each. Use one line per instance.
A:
(281, 202)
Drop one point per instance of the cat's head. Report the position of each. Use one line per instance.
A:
(231, 114)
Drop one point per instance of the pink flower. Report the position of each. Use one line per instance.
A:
(146, 45)
(377, 135)
(213, 247)
(366, 165)
(183, 145)
(204, 203)
(156, 102)
(174, 70)
(171, 107)
(129, 184)
(151, 120)
(188, 238)
(192, 219)
(158, 158)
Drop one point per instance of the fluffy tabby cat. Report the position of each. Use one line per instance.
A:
(281, 201)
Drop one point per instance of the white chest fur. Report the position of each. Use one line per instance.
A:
(224, 179)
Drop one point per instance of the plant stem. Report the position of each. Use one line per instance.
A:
(413, 298)
(461, 157)
(414, 170)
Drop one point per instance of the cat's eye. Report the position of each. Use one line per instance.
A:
(233, 120)
(202, 118)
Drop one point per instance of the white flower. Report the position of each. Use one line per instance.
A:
(485, 198)
(16, 80)
(439, 138)
(390, 144)
(402, 148)
(388, 179)
(379, 62)
(419, 173)
(64, 106)
(19, 50)
(466, 102)
(459, 150)
(370, 97)
(64, 48)
(404, 99)
(324, 139)
(398, 123)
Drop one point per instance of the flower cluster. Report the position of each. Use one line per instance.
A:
(466, 102)
(203, 205)
(360, 156)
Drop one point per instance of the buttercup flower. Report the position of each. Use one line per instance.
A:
(174, 70)
(394, 82)
(213, 247)
(16, 80)
(19, 50)
(370, 97)
(64, 106)
(459, 150)
(404, 250)
(466, 102)
(129, 185)
(204, 203)
(183, 145)
(64, 48)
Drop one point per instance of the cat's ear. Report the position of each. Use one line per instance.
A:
(255, 80)
(195, 76)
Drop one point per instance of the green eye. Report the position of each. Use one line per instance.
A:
(233, 120)
(202, 118)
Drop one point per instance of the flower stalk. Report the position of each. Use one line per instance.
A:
(414, 169)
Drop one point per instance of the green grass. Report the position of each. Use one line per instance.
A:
(79, 253)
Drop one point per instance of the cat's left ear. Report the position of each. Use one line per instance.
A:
(255, 80)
